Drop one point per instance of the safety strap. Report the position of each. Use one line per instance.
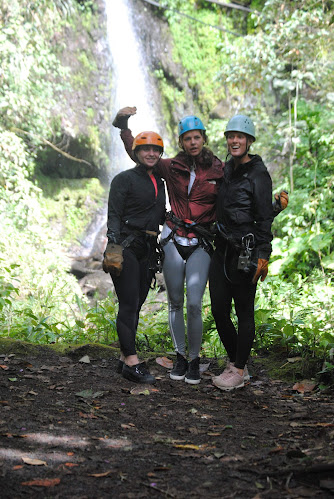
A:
(137, 233)
(187, 224)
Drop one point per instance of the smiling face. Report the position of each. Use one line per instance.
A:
(192, 142)
(237, 145)
(148, 155)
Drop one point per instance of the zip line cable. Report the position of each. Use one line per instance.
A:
(156, 4)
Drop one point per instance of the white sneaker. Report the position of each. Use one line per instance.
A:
(229, 380)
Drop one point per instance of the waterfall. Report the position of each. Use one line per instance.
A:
(130, 88)
(130, 85)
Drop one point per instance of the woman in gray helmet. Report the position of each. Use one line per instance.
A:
(243, 246)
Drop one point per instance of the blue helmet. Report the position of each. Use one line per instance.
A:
(190, 123)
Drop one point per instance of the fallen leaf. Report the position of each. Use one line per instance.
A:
(312, 425)
(89, 394)
(139, 391)
(87, 416)
(294, 359)
(304, 386)
(71, 465)
(204, 367)
(101, 475)
(85, 359)
(258, 392)
(4, 367)
(17, 467)
(229, 459)
(47, 482)
(127, 426)
(164, 362)
(187, 446)
(12, 379)
(33, 462)
(275, 450)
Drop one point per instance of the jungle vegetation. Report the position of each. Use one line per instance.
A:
(273, 61)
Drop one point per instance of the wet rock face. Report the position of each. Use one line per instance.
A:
(96, 284)
(153, 31)
(84, 107)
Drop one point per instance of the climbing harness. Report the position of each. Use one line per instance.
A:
(245, 250)
(202, 231)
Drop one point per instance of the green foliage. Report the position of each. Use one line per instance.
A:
(279, 70)
(196, 47)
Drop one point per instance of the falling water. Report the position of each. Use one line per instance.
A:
(130, 86)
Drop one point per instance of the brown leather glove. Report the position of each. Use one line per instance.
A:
(113, 259)
(121, 119)
(281, 201)
(262, 270)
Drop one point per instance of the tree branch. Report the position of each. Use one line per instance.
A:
(45, 141)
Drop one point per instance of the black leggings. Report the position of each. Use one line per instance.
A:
(132, 287)
(238, 344)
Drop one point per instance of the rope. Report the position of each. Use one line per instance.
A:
(156, 4)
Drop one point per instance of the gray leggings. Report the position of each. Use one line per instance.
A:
(194, 272)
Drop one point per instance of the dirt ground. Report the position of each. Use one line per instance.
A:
(71, 427)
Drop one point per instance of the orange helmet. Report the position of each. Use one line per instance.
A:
(148, 139)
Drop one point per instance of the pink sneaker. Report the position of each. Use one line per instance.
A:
(228, 368)
(229, 380)
(224, 375)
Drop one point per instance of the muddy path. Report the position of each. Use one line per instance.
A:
(71, 427)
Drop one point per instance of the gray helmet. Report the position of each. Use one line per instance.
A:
(241, 123)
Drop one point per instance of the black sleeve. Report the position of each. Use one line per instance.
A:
(116, 205)
(263, 213)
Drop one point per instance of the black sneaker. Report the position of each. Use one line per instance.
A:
(181, 366)
(119, 367)
(138, 373)
(193, 377)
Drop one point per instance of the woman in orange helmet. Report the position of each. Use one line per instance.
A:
(136, 208)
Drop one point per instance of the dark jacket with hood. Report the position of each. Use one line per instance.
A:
(244, 203)
(133, 204)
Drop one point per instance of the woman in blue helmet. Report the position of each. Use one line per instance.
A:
(192, 177)
(242, 248)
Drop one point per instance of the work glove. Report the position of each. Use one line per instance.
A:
(121, 119)
(261, 271)
(113, 259)
(281, 201)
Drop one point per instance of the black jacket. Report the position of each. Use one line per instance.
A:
(244, 203)
(132, 203)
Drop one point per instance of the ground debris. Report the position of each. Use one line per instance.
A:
(90, 433)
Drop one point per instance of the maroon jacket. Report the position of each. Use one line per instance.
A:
(200, 204)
